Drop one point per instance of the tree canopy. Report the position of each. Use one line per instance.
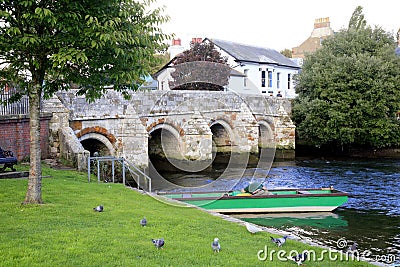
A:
(287, 53)
(193, 70)
(349, 89)
(47, 45)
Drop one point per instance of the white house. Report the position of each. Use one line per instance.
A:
(254, 69)
(265, 69)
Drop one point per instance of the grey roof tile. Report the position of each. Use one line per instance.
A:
(249, 53)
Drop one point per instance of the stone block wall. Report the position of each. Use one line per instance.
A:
(124, 125)
(71, 149)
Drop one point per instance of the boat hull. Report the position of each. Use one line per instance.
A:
(278, 201)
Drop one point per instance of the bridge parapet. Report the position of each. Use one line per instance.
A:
(126, 124)
(172, 102)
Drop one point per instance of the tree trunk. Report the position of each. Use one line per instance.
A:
(34, 192)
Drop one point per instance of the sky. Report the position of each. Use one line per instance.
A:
(276, 24)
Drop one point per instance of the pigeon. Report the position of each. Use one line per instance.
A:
(252, 228)
(99, 208)
(158, 242)
(299, 258)
(143, 222)
(215, 245)
(279, 241)
(352, 248)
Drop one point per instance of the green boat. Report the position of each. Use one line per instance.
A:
(278, 200)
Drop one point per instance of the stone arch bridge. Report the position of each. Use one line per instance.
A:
(187, 125)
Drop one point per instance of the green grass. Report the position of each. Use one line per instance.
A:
(65, 231)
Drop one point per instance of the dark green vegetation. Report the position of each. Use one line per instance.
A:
(46, 46)
(65, 231)
(201, 74)
(349, 90)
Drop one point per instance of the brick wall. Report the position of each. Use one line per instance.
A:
(14, 135)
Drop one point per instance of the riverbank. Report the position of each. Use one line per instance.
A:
(308, 151)
(65, 231)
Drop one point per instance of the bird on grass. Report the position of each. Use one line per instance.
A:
(252, 228)
(143, 222)
(352, 248)
(215, 245)
(98, 208)
(299, 258)
(159, 243)
(279, 241)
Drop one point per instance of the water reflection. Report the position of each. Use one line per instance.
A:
(321, 220)
(372, 184)
(372, 231)
(371, 217)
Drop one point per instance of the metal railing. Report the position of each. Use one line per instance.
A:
(141, 176)
(20, 107)
(142, 180)
(16, 108)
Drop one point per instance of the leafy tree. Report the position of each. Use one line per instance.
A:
(191, 76)
(161, 60)
(287, 53)
(47, 45)
(349, 90)
(357, 20)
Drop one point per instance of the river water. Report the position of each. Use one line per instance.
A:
(371, 217)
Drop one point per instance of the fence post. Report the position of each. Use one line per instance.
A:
(98, 170)
(88, 169)
(123, 171)
(112, 170)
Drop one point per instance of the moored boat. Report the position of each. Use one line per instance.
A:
(278, 200)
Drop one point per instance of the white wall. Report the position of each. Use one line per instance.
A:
(237, 84)
(163, 79)
(254, 77)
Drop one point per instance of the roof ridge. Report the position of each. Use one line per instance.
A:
(240, 43)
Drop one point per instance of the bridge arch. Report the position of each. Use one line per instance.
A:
(164, 141)
(99, 130)
(223, 136)
(266, 138)
(167, 127)
(95, 142)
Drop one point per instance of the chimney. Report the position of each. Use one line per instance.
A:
(197, 40)
(176, 41)
(322, 23)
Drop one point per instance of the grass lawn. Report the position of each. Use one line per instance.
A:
(65, 231)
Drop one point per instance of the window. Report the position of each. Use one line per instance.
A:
(289, 80)
(278, 80)
(263, 78)
(269, 78)
(246, 71)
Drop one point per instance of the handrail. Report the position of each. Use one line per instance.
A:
(136, 169)
(132, 168)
